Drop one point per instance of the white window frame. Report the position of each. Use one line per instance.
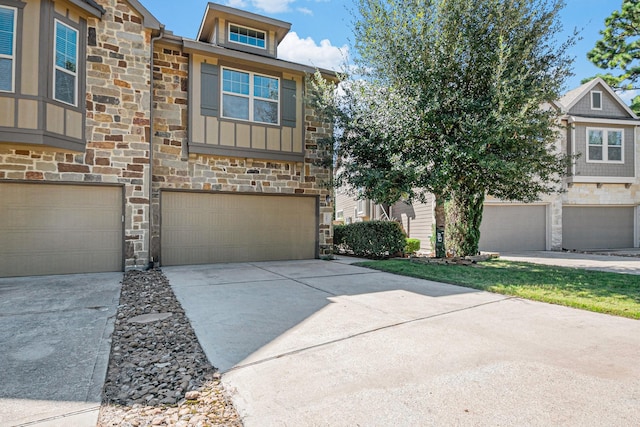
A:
(593, 92)
(13, 49)
(605, 145)
(340, 214)
(246, 28)
(64, 70)
(251, 96)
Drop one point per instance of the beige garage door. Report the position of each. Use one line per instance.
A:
(59, 229)
(514, 228)
(203, 228)
(607, 227)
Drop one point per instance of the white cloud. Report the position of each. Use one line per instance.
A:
(628, 95)
(236, 3)
(272, 6)
(305, 10)
(306, 51)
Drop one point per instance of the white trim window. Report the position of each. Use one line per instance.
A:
(596, 100)
(65, 66)
(605, 145)
(247, 36)
(250, 96)
(8, 16)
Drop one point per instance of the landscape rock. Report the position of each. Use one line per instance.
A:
(155, 361)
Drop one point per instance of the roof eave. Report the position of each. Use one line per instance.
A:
(194, 46)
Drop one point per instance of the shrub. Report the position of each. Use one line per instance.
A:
(371, 239)
(412, 246)
(338, 234)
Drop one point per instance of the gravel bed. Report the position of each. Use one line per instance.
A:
(158, 374)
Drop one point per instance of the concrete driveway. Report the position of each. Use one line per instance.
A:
(54, 351)
(318, 343)
(627, 264)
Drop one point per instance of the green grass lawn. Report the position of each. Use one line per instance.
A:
(597, 291)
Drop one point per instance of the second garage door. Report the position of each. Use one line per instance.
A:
(203, 228)
(59, 229)
(597, 227)
(514, 228)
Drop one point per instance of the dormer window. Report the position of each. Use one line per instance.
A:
(596, 100)
(247, 36)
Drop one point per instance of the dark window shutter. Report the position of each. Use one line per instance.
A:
(288, 106)
(209, 96)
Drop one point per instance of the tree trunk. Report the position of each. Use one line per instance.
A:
(464, 215)
(440, 215)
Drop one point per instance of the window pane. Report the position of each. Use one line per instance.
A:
(614, 138)
(235, 107)
(595, 153)
(615, 153)
(247, 36)
(265, 87)
(265, 111)
(66, 42)
(6, 31)
(65, 87)
(235, 81)
(595, 137)
(596, 100)
(5, 74)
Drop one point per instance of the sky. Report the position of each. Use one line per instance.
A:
(321, 30)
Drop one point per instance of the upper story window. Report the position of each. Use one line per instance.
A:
(65, 74)
(250, 96)
(605, 145)
(247, 36)
(8, 16)
(596, 100)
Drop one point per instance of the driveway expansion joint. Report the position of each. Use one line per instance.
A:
(296, 280)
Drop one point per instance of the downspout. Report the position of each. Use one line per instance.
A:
(150, 233)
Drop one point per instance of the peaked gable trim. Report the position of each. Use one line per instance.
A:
(148, 20)
(586, 89)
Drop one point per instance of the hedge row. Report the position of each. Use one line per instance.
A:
(371, 239)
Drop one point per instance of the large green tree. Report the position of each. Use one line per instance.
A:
(454, 102)
(619, 49)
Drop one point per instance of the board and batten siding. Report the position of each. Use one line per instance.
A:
(211, 134)
(30, 114)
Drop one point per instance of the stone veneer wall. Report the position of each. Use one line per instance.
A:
(174, 168)
(117, 103)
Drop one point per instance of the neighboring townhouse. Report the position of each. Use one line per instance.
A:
(599, 208)
(417, 218)
(233, 172)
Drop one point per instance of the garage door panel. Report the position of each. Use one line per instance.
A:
(200, 228)
(59, 229)
(513, 228)
(598, 227)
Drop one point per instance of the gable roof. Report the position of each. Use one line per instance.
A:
(571, 98)
(148, 20)
(95, 9)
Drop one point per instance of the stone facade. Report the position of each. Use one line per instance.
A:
(118, 121)
(175, 168)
